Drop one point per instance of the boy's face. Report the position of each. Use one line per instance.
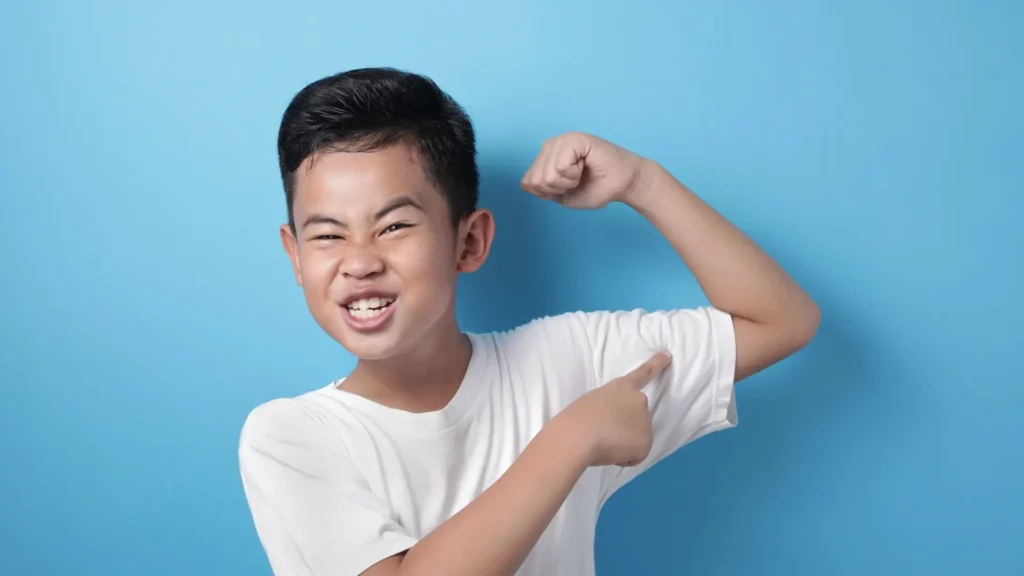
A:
(375, 251)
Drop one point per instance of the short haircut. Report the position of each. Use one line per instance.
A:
(369, 109)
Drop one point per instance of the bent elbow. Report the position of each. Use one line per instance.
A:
(807, 326)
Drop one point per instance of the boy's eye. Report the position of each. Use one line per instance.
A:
(395, 227)
(327, 237)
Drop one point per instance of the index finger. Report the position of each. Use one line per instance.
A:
(647, 371)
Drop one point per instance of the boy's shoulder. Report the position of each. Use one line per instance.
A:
(563, 343)
(569, 330)
(301, 416)
(555, 337)
(558, 323)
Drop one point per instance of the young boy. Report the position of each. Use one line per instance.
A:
(450, 453)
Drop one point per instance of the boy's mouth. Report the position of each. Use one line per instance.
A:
(369, 312)
(366, 308)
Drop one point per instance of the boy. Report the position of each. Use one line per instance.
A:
(452, 453)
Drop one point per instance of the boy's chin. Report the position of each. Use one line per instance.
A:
(370, 346)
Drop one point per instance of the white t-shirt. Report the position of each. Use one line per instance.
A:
(336, 482)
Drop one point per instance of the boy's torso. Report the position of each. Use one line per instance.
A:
(430, 466)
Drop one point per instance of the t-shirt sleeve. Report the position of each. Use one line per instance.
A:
(314, 514)
(692, 397)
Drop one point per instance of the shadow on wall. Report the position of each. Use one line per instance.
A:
(512, 287)
(722, 505)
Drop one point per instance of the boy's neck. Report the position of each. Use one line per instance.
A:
(423, 380)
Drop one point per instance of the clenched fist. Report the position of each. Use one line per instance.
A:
(615, 419)
(583, 171)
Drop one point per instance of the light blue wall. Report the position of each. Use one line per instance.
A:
(875, 148)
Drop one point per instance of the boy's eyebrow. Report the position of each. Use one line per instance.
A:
(394, 204)
(321, 219)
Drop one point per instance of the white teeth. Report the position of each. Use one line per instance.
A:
(368, 305)
(366, 314)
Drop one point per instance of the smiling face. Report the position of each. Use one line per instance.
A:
(375, 250)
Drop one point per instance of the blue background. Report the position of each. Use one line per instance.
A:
(874, 148)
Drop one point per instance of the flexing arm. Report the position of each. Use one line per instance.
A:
(773, 317)
(495, 532)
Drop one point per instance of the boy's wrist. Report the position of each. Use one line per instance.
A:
(650, 179)
(569, 430)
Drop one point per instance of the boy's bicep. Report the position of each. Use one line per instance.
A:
(758, 346)
(694, 395)
(313, 512)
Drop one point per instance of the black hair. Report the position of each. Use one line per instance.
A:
(369, 109)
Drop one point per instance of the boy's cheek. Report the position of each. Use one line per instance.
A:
(319, 268)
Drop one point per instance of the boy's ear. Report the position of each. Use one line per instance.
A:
(476, 233)
(291, 247)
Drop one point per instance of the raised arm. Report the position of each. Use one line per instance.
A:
(772, 315)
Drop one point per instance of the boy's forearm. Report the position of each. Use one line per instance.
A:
(495, 532)
(735, 274)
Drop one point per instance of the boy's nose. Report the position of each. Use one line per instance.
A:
(361, 263)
